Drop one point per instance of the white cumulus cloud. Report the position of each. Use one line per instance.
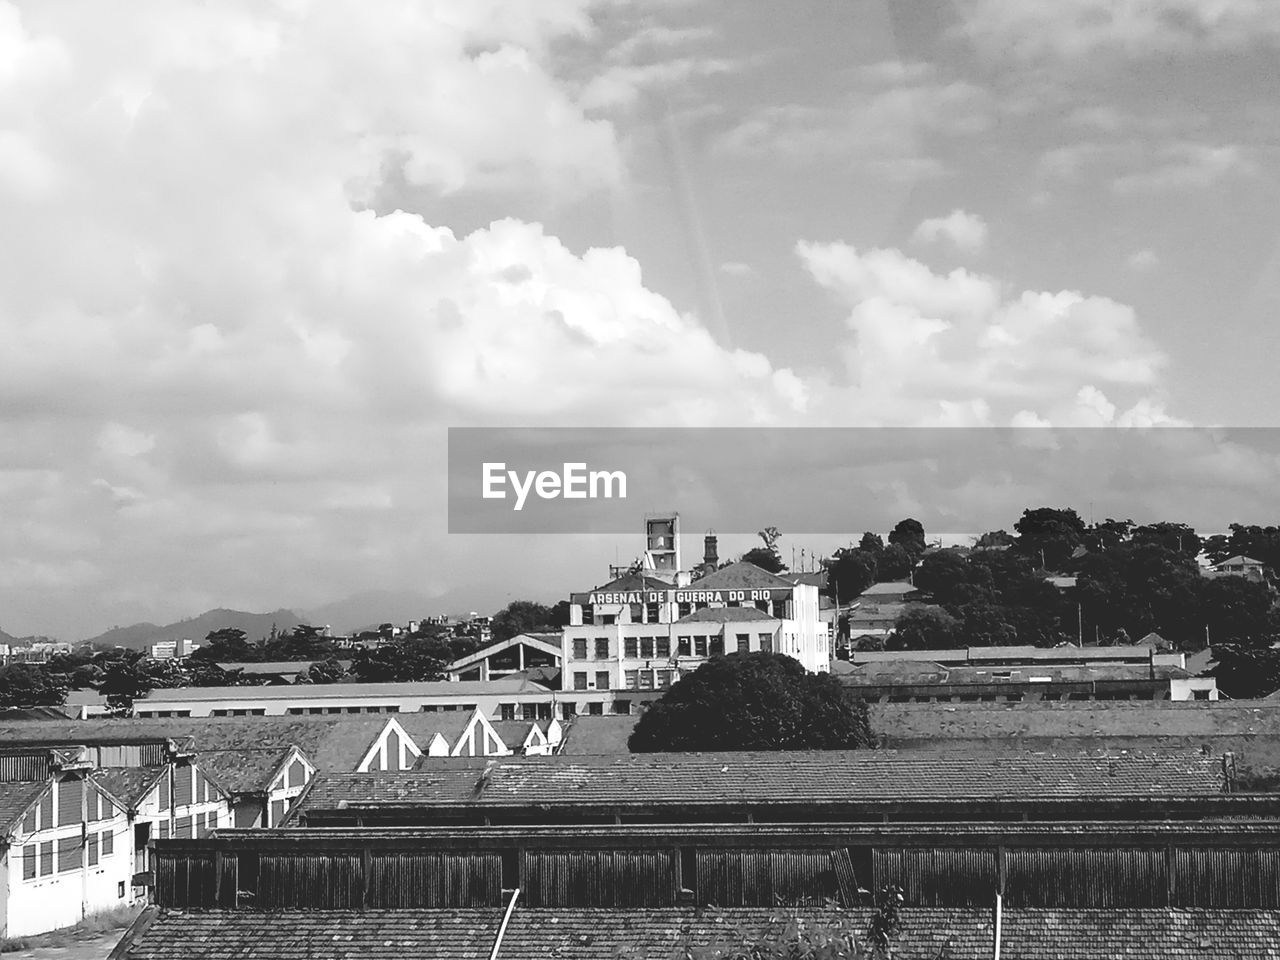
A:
(967, 232)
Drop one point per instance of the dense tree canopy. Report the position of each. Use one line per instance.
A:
(521, 616)
(850, 572)
(753, 701)
(1049, 535)
(765, 558)
(909, 534)
(31, 685)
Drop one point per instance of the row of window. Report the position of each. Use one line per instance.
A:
(69, 793)
(568, 709)
(650, 612)
(659, 648)
(183, 827)
(42, 859)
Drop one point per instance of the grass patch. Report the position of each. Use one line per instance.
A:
(98, 925)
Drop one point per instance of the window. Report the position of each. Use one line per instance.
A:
(164, 830)
(108, 843)
(1200, 694)
(579, 681)
(766, 643)
(182, 828)
(631, 648)
(602, 648)
(651, 613)
(29, 821)
(699, 646)
(568, 709)
(664, 679)
(622, 707)
(68, 854)
(685, 647)
(637, 612)
(588, 616)
(646, 648)
(602, 680)
(544, 711)
(762, 606)
(70, 791)
(580, 648)
(633, 679)
(646, 679)
(46, 858)
(717, 646)
(744, 642)
(608, 619)
(164, 793)
(528, 711)
(595, 709)
(120, 890)
(93, 805)
(663, 647)
(92, 843)
(684, 609)
(29, 862)
(506, 711)
(181, 786)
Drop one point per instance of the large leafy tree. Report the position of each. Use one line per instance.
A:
(909, 534)
(132, 676)
(894, 562)
(522, 616)
(850, 572)
(1049, 535)
(400, 661)
(31, 685)
(753, 701)
(925, 628)
(1245, 673)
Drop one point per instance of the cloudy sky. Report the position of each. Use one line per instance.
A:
(257, 256)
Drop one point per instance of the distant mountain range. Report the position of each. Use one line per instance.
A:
(358, 612)
(139, 636)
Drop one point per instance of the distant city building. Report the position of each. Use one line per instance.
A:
(173, 649)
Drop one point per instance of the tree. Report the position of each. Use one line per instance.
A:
(925, 628)
(753, 701)
(909, 534)
(228, 645)
(521, 616)
(325, 671)
(31, 685)
(873, 543)
(1246, 673)
(1238, 611)
(765, 559)
(401, 661)
(993, 539)
(948, 576)
(849, 573)
(132, 676)
(1049, 535)
(1177, 537)
(894, 563)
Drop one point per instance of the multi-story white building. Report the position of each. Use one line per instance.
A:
(641, 632)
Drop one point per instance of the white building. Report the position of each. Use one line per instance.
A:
(65, 846)
(640, 632)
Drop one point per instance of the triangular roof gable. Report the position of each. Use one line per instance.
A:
(295, 752)
(486, 736)
(381, 739)
(25, 807)
(1240, 558)
(742, 574)
(528, 640)
(535, 737)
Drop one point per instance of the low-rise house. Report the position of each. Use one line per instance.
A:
(1146, 652)
(1247, 568)
(65, 844)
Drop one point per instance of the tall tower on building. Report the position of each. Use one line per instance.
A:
(662, 543)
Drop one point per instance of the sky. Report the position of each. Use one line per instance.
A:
(258, 257)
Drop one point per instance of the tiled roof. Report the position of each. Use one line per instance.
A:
(435, 688)
(1247, 720)
(422, 727)
(916, 672)
(514, 732)
(630, 582)
(775, 777)
(726, 615)
(928, 933)
(742, 575)
(129, 785)
(16, 798)
(244, 770)
(891, 589)
(597, 735)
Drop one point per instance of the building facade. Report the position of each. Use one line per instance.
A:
(642, 633)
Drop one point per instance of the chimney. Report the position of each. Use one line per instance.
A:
(710, 556)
